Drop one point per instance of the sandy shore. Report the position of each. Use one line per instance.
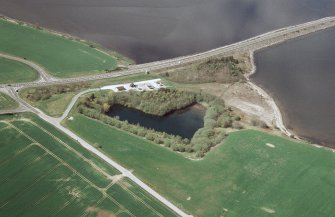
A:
(278, 119)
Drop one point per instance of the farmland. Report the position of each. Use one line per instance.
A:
(252, 174)
(61, 56)
(6, 102)
(45, 173)
(12, 71)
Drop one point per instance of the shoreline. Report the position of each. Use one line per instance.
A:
(279, 123)
(278, 118)
(120, 58)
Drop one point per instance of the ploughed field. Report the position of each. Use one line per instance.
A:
(45, 173)
(251, 174)
(6, 102)
(13, 71)
(60, 56)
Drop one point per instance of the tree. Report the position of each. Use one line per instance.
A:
(105, 107)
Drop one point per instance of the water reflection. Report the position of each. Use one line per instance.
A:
(301, 75)
(183, 123)
(157, 29)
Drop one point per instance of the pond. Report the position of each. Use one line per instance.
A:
(183, 122)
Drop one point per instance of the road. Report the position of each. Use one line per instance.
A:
(44, 76)
(73, 101)
(252, 44)
(57, 123)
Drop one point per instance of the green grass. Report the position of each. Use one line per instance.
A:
(7, 102)
(243, 175)
(57, 104)
(60, 56)
(44, 172)
(15, 72)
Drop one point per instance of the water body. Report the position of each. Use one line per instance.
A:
(148, 30)
(183, 123)
(300, 75)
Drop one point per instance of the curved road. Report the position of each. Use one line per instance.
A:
(252, 44)
(44, 76)
(73, 101)
(57, 123)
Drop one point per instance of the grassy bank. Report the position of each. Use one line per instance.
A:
(15, 72)
(61, 56)
(7, 102)
(44, 171)
(252, 174)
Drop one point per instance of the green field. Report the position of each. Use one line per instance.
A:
(6, 102)
(252, 174)
(56, 105)
(60, 56)
(15, 72)
(45, 173)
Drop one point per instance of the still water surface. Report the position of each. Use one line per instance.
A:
(300, 75)
(183, 123)
(148, 30)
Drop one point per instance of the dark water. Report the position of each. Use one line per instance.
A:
(149, 30)
(300, 74)
(183, 123)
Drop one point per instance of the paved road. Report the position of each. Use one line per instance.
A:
(73, 101)
(21, 108)
(44, 76)
(57, 123)
(252, 44)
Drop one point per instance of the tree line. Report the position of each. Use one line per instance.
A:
(217, 117)
(45, 93)
(158, 103)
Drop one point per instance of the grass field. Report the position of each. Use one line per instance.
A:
(15, 72)
(45, 173)
(57, 104)
(6, 102)
(60, 56)
(252, 174)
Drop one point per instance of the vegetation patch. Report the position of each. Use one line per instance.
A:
(61, 56)
(161, 102)
(14, 72)
(7, 102)
(54, 99)
(44, 169)
(237, 178)
(216, 69)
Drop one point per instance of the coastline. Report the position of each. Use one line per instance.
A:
(278, 118)
(278, 122)
(120, 58)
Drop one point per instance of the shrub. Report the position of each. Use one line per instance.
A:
(237, 125)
